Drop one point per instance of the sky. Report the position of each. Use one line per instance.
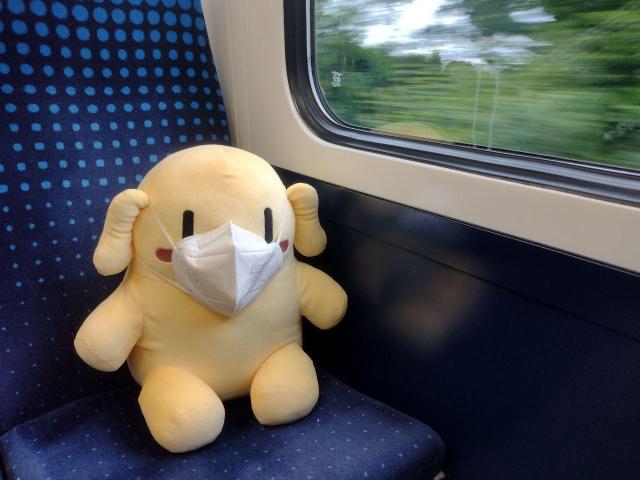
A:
(401, 24)
(409, 18)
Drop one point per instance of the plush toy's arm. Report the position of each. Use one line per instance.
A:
(107, 336)
(322, 301)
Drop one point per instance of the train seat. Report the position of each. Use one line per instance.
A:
(347, 436)
(92, 95)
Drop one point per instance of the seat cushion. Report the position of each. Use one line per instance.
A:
(348, 435)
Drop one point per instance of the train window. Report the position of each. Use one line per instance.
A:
(540, 91)
(539, 76)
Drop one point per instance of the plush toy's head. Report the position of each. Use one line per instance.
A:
(197, 190)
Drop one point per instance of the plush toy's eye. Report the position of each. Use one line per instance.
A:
(187, 223)
(268, 225)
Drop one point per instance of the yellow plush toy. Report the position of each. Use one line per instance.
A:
(210, 306)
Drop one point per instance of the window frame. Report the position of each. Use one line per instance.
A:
(615, 184)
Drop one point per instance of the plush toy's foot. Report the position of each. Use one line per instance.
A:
(181, 411)
(285, 387)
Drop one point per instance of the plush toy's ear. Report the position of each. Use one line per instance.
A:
(114, 250)
(310, 239)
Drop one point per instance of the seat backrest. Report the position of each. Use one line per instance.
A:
(92, 94)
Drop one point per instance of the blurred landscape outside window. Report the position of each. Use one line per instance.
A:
(550, 77)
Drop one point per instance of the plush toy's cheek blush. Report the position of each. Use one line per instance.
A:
(284, 245)
(164, 254)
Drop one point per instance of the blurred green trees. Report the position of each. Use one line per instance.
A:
(552, 77)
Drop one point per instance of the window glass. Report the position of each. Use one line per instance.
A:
(551, 77)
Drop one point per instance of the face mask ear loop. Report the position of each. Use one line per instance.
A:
(164, 230)
(284, 214)
(149, 267)
(159, 275)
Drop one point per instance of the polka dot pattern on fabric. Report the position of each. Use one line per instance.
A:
(90, 100)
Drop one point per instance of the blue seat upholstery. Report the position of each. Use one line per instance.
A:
(347, 436)
(92, 95)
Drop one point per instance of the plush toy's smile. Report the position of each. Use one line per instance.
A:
(164, 254)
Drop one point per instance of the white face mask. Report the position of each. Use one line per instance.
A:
(224, 269)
